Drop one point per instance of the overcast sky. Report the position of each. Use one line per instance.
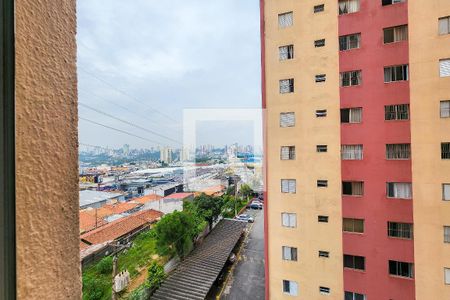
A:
(144, 61)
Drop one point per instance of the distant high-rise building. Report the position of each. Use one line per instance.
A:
(166, 155)
(357, 99)
(126, 149)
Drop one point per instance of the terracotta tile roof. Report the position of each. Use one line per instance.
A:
(121, 227)
(148, 198)
(114, 209)
(214, 190)
(179, 196)
(83, 246)
(87, 221)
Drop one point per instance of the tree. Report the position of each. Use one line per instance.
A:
(209, 207)
(156, 275)
(246, 190)
(175, 232)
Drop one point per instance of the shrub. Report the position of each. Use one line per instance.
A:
(156, 275)
(105, 266)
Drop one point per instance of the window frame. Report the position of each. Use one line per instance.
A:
(393, 73)
(352, 74)
(396, 112)
(399, 267)
(7, 153)
(447, 18)
(400, 230)
(318, 8)
(321, 113)
(445, 150)
(394, 28)
(393, 2)
(353, 267)
(290, 216)
(445, 61)
(443, 191)
(318, 43)
(280, 15)
(348, 41)
(353, 220)
(388, 189)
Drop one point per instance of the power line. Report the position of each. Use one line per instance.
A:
(127, 122)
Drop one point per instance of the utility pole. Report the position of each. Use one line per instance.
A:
(236, 180)
(114, 296)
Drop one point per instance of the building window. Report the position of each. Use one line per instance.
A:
(444, 67)
(445, 150)
(400, 230)
(353, 225)
(288, 186)
(395, 73)
(351, 115)
(287, 153)
(353, 188)
(348, 6)
(447, 275)
(290, 287)
(321, 78)
(390, 2)
(286, 52)
(445, 109)
(402, 269)
(324, 254)
(324, 290)
(287, 119)
(319, 43)
(354, 262)
(350, 78)
(289, 253)
(320, 113)
(348, 42)
(286, 86)
(321, 148)
(289, 220)
(322, 183)
(354, 296)
(446, 234)
(285, 20)
(351, 152)
(319, 8)
(322, 219)
(400, 190)
(398, 151)
(446, 191)
(396, 112)
(444, 25)
(395, 34)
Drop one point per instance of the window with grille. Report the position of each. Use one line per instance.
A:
(351, 152)
(446, 234)
(445, 150)
(289, 253)
(289, 220)
(351, 115)
(324, 290)
(288, 186)
(354, 296)
(286, 52)
(445, 109)
(319, 43)
(395, 73)
(398, 151)
(322, 219)
(353, 225)
(444, 67)
(354, 262)
(287, 119)
(396, 112)
(400, 190)
(321, 148)
(395, 34)
(286, 86)
(322, 183)
(320, 113)
(348, 42)
(353, 188)
(351, 78)
(444, 25)
(287, 152)
(285, 19)
(348, 6)
(290, 287)
(321, 78)
(324, 254)
(402, 269)
(400, 230)
(319, 8)
(446, 191)
(390, 2)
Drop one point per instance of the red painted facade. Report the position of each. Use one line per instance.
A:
(374, 133)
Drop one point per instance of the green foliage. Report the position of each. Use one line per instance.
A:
(209, 207)
(105, 266)
(246, 190)
(141, 293)
(96, 287)
(175, 232)
(232, 205)
(156, 275)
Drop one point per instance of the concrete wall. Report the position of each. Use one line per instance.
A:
(428, 130)
(310, 236)
(48, 261)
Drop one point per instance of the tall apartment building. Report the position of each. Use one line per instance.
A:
(165, 155)
(357, 134)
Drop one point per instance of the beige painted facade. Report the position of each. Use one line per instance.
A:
(310, 236)
(48, 262)
(428, 131)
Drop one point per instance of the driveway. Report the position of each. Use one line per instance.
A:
(247, 278)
